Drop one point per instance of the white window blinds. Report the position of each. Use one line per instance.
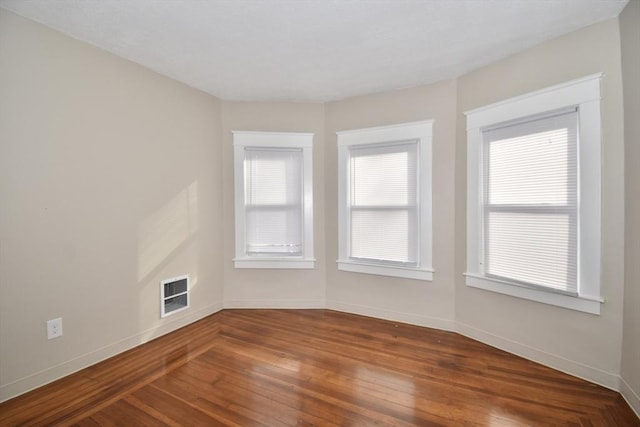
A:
(530, 201)
(384, 203)
(273, 201)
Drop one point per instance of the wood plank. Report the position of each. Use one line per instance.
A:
(316, 367)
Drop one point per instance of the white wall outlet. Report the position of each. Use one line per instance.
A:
(54, 328)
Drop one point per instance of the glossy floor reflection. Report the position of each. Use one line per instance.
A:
(317, 367)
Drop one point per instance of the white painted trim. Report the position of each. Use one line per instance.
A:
(386, 270)
(272, 139)
(286, 263)
(606, 379)
(632, 397)
(46, 376)
(304, 141)
(395, 316)
(587, 305)
(279, 303)
(583, 93)
(421, 131)
(595, 375)
(573, 92)
(378, 134)
(590, 199)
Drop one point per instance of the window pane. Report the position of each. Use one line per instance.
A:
(273, 177)
(274, 230)
(384, 175)
(533, 248)
(384, 234)
(273, 201)
(530, 186)
(532, 162)
(383, 189)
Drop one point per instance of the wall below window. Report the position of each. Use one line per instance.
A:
(630, 38)
(273, 288)
(427, 303)
(110, 181)
(582, 344)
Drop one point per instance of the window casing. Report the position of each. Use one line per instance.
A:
(273, 200)
(533, 196)
(385, 200)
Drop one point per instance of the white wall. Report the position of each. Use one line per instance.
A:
(110, 180)
(414, 301)
(630, 37)
(582, 344)
(281, 288)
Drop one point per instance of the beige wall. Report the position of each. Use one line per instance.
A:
(113, 177)
(110, 180)
(630, 37)
(276, 287)
(420, 302)
(580, 343)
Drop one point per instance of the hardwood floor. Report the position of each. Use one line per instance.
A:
(316, 367)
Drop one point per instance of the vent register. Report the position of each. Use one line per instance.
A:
(174, 295)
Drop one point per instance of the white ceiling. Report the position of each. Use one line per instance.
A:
(313, 50)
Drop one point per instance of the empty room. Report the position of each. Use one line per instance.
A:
(320, 212)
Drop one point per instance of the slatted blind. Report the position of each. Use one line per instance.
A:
(273, 201)
(383, 203)
(530, 201)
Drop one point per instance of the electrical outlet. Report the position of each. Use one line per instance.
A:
(54, 328)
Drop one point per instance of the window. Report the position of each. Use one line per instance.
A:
(385, 200)
(533, 201)
(273, 200)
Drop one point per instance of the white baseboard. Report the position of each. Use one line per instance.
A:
(631, 396)
(606, 379)
(594, 375)
(396, 316)
(283, 304)
(46, 376)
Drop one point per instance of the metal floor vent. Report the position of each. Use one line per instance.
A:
(174, 295)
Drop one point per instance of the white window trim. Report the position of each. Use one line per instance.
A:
(583, 93)
(304, 141)
(421, 131)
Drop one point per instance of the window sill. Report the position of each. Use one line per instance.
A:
(380, 270)
(579, 303)
(272, 262)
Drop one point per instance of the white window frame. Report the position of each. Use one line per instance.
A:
(584, 94)
(422, 132)
(250, 139)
